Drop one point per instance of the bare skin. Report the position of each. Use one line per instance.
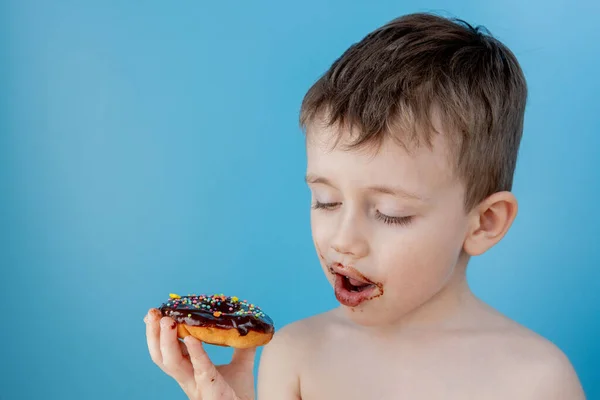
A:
(422, 334)
(493, 358)
(191, 367)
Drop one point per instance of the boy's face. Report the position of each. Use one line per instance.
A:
(388, 226)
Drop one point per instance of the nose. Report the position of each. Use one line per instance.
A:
(350, 239)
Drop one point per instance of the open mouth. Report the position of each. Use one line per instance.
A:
(353, 285)
(352, 288)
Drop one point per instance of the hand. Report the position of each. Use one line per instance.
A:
(191, 367)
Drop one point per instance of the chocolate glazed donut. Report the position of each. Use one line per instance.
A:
(219, 320)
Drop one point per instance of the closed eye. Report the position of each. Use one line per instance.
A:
(393, 220)
(324, 206)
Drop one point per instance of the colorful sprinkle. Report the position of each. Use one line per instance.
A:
(216, 305)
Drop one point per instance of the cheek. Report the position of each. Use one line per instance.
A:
(420, 261)
(319, 235)
(316, 228)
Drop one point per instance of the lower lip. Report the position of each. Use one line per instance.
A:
(352, 299)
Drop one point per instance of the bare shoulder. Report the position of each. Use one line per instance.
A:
(300, 336)
(284, 356)
(539, 369)
(546, 370)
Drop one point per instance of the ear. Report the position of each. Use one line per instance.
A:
(489, 222)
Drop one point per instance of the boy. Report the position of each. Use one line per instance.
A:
(412, 139)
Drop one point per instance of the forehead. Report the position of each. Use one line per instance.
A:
(420, 168)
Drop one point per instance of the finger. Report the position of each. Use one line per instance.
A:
(174, 363)
(184, 350)
(244, 357)
(153, 334)
(205, 372)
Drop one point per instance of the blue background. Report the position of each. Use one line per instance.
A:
(152, 147)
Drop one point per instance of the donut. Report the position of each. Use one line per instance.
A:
(219, 320)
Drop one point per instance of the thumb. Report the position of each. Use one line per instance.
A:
(244, 357)
(204, 369)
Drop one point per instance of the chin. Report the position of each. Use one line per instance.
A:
(366, 315)
(361, 317)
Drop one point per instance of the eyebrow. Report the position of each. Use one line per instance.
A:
(394, 191)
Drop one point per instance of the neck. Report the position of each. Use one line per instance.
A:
(451, 308)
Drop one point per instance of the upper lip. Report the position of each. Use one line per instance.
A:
(349, 271)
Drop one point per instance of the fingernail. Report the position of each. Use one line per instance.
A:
(173, 325)
(146, 319)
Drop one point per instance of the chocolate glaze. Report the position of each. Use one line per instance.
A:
(217, 311)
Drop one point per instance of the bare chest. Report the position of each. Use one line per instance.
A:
(405, 373)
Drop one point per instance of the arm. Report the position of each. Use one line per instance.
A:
(278, 374)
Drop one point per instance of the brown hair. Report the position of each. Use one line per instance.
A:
(391, 82)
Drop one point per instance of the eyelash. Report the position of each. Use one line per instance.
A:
(324, 206)
(402, 221)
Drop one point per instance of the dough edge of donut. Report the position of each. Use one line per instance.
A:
(224, 337)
